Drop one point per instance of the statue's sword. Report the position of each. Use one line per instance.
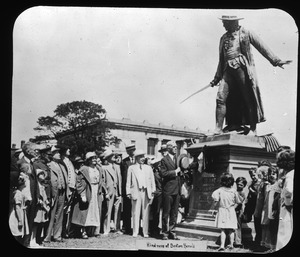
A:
(200, 90)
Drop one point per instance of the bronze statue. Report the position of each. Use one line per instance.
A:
(238, 98)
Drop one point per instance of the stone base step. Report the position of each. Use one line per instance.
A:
(206, 229)
(198, 234)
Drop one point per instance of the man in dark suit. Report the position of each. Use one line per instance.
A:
(126, 214)
(171, 186)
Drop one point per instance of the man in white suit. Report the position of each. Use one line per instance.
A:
(140, 188)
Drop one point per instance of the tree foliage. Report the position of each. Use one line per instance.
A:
(81, 125)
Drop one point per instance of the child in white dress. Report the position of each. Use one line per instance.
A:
(226, 199)
(18, 222)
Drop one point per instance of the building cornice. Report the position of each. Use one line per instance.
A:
(127, 124)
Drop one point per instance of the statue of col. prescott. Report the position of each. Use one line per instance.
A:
(238, 97)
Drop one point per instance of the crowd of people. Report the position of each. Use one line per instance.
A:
(269, 203)
(54, 196)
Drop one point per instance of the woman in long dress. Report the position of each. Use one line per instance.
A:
(89, 187)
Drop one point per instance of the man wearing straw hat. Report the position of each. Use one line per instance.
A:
(238, 97)
(126, 212)
(140, 188)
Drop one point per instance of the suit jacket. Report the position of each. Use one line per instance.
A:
(132, 186)
(33, 186)
(111, 179)
(117, 168)
(54, 169)
(248, 38)
(126, 162)
(171, 183)
(158, 182)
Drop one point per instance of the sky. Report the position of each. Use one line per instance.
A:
(140, 63)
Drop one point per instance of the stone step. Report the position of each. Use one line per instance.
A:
(198, 234)
(207, 230)
(206, 225)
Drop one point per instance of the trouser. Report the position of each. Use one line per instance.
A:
(257, 227)
(155, 209)
(56, 217)
(140, 207)
(117, 215)
(170, 212)
(234, 82)
(126, 214)
(273, 232)
(238, 232)
(107, 218)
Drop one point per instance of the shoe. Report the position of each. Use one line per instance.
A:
(173, 236)
(97, 235)
(84, 235)
(230, 247)
(119, 232)
(134, 235)
(221, 249)
(33, 245)
(252, 133)
(165, 238)
(46, 241)
(146, 236)
(238, 245)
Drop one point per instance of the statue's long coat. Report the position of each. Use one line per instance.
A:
(246, 38)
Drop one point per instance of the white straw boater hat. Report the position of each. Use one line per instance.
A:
(230, 18)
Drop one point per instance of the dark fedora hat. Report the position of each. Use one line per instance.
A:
(230, 18)
(163, 148)
(183, 161)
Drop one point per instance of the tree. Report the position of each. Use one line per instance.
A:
(81, 125)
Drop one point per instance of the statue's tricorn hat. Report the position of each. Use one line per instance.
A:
(230, 18)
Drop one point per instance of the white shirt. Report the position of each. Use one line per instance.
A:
(141, 177)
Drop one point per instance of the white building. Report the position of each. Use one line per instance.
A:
(150, 137)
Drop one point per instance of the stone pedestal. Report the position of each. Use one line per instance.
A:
(228, 152)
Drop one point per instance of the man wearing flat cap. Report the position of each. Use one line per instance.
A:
(126, 162)
(238, 98)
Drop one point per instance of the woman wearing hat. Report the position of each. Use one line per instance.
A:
(88, 203)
